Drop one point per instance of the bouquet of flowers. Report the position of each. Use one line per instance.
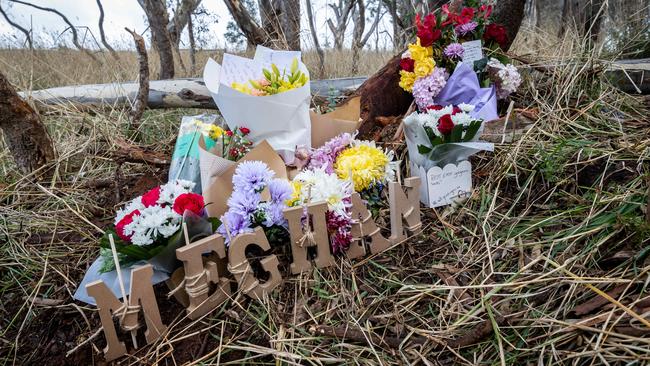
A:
(269, 94)
(274, 81)
(443, 135)
(367, 166)
(247, 210)
(450, 41)
(200, 134)
(314, 185)
(151, 222)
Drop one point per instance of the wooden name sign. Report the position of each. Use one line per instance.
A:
(205, 279)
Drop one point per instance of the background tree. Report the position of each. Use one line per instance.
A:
(342, 11)
(102, 35)
(359, 40)
(28, 36)
(314, 37)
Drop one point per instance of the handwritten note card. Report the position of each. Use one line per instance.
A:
(238, 69)
(473, 51)
(445, 185)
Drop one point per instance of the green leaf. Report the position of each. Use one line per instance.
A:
(424, 149)
(456, 134)
(215, 223)
(267, 74)
(430, 134)
(275, 69)
(472, 130)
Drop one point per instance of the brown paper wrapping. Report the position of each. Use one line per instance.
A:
(342, 119)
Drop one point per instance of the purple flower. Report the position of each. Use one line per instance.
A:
(237, 224)
(243, 203)
(280, 190)
(274, 214)
(428, 87)
(251, 176)
(465, 29)
(454, 50)
(324, 156)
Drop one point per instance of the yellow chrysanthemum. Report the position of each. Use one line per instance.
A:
(424, 67)
(366, 163)
(406, 80)
(419, 53)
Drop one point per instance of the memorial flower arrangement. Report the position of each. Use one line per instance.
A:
(442, 38)
(231, 144)
(363, 163)
(314, 185)
(448, 124)
(274, 81)
(148, 223)
(247, 210)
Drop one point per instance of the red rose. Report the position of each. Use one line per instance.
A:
(244, 130)
(407, 64)
(445, 125)
(119, 227)
(435, 107)
(229, 133)
(496, 33)
(151, 198)
(189, 201)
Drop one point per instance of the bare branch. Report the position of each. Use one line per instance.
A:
(314, 36)
(182, 15)
(28, 36)
(75, 36)
(245, 21)
(101, 30)
(140, 102)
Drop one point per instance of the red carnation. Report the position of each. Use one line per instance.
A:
(127, 219)
(151, 198)
(229, 133)
(445, 125)
(456, 110)
(407, 64)
(435, 107)
(189, 201)
(496, 33)
(487, 10)
(244, 130)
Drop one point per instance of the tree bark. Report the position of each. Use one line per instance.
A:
(102, 35)
(254, 34)
(156, 11)
(75, 36)
(358, 39)
(510, 13)
(181, 19)
(28, 36)
(25, 134)
(314, 36)
(190, 34)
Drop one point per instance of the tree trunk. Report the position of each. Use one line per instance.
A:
(190, 33)
(314, 36)
(510, 13)
(143, 80)
(254, 34)
(381, 96)
(181, 18)
(25, 134)
(157, 17)
(290, 22)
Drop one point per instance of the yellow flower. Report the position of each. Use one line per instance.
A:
(243, 88)
(366, 163)
(424, 67)
(215, 132)
(420, 53)
(406, 80)
(295, 198)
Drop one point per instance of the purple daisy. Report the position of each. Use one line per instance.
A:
(454, 51)
(465, 29)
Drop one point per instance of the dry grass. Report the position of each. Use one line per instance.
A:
(508, 277)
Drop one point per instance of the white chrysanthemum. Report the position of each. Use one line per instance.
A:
(466, 107)
(152, 222)
(507, 77)
(462, 118)
(134, 204)
(436, 114)
(317, 185)
(171, 190)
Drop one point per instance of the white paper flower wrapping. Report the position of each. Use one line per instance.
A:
(281, 119)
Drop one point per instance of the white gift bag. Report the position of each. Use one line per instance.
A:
(280, 119)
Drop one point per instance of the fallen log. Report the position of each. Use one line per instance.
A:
(175, 93)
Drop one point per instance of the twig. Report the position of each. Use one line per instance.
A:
(143, 79)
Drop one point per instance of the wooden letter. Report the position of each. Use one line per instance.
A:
(315, 235)
(241, 268)
(404, 207)
(367, 228)
(199, 277)
(142, 298)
